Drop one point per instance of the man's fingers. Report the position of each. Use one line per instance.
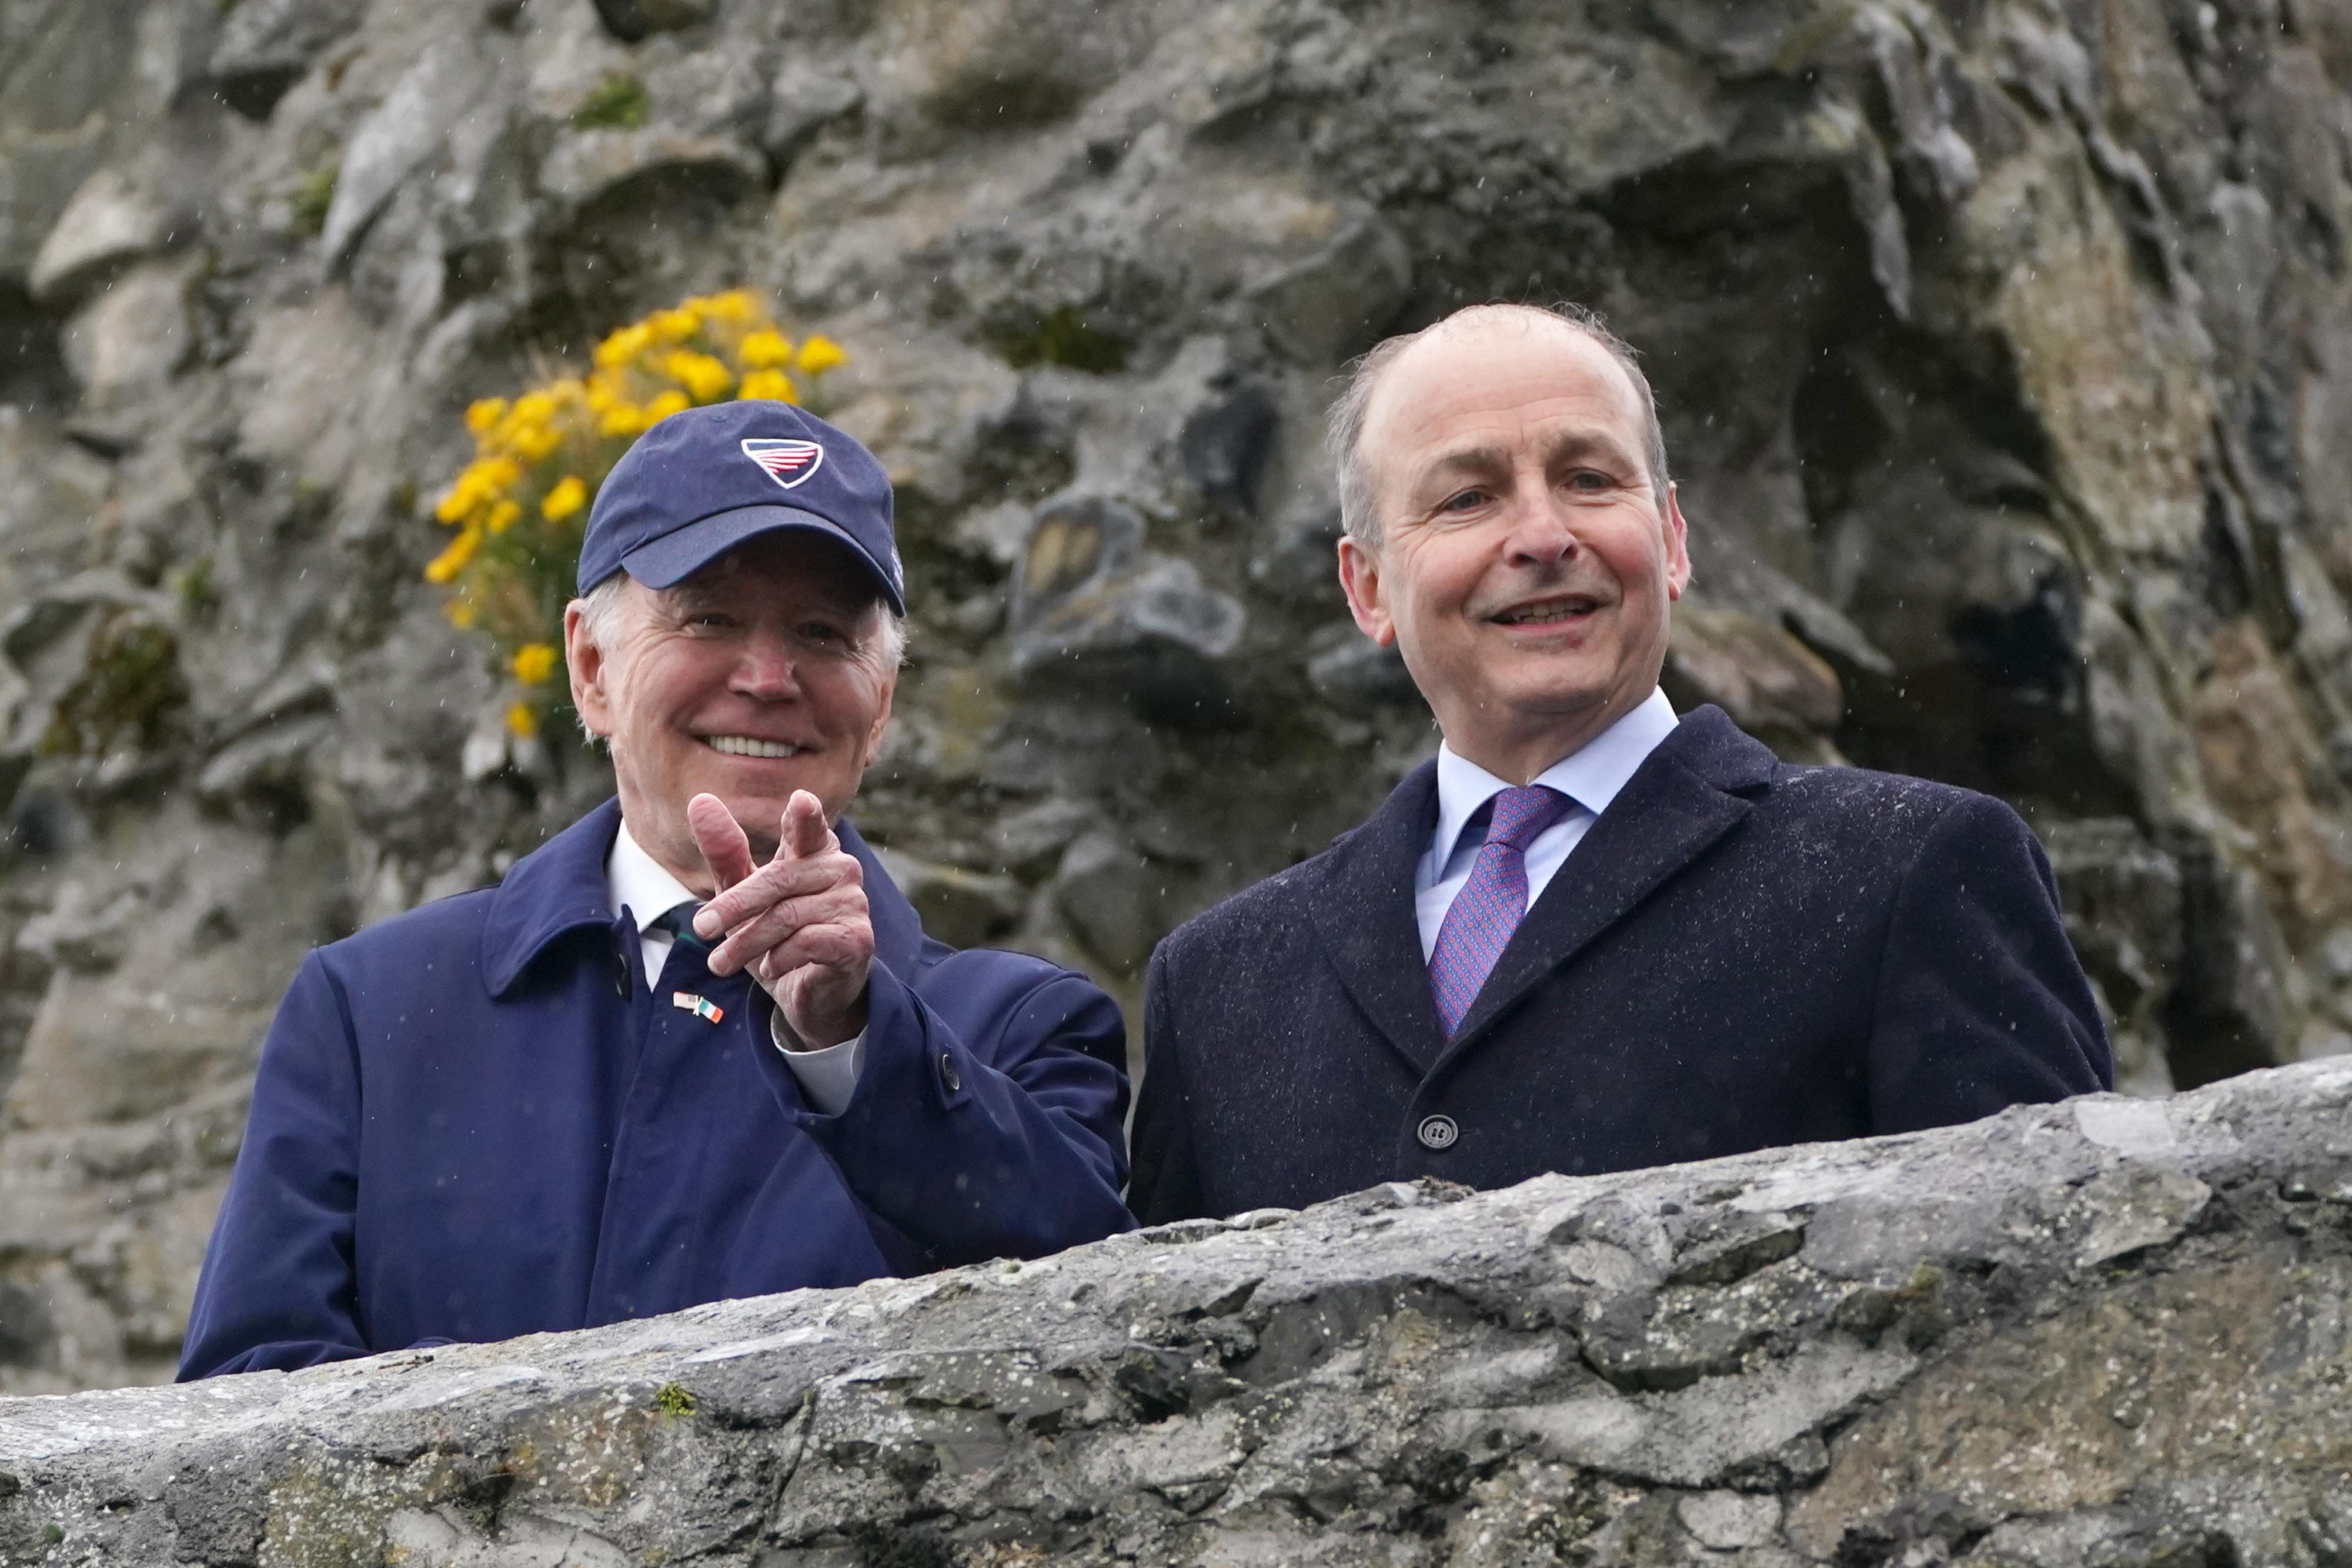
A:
(755, 936)
(720, 838)
(804, 831)
(830, 946)
(772, 884)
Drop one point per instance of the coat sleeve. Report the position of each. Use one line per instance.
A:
(1008, 1144)
(277, 1288)
(1166, 1186)
(1981, 1002)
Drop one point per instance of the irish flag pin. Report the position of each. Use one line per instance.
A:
(702, 1007)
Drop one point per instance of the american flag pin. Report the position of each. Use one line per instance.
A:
(702, 1007)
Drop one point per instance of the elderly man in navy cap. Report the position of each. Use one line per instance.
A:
(698, 1046)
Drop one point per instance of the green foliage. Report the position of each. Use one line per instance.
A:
(194, 587)
(673, 1400)
(131, 687)
(53, 1533)
(1062, 337)
(314, 195)
(619, 103)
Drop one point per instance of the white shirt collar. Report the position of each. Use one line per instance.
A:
(1591, 775)
(640, 884)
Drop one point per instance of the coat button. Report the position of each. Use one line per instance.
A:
(1438, 1132)
(949, 1079)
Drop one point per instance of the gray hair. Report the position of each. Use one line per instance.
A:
(601, 610)
(1343, 441)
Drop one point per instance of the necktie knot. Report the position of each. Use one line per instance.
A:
(678, 921)
(1522, 813)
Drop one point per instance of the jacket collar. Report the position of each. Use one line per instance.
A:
(559, 889)
(1686, 796)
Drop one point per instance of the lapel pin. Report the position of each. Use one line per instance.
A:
(702, 1007)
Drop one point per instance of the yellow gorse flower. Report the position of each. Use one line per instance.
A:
(818, 355)
(519, 504)
(533, 663)
(766, 352)
(773, 385)
(445, 567)
(704, 378)
(568, 496)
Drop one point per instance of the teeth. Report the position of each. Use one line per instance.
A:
(1543, 614)
(744, 746)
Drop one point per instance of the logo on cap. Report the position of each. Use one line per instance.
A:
(786, 462)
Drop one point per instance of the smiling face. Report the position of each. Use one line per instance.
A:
(1524, 566)
(764, 672)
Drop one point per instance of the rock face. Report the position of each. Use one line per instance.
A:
(2111, 1330)
(2004, 347)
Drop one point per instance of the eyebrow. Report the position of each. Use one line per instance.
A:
(1488, 459)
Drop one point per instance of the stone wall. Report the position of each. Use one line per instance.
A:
(2004, 348)
(2110, 1331)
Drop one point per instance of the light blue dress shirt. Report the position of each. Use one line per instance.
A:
(1591, 776)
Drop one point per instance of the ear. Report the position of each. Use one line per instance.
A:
(881, 721)
(589, 671)
(1360, 578)
(1679, 566)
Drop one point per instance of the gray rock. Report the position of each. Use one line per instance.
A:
(1156, 635)
(1728, 1520)
(109, 221)
(591, 165)
(134, 335)
(806, 98)
(1075, 543)
(1339, 301)
(632, 20)
(1356, 673)
(443, 85)
(265, 46)
(1113, 898)
(1312, 1385)
(961, 907)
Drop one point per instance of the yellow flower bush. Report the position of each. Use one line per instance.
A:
(521, 507)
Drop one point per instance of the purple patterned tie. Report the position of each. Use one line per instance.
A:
(1491, 904)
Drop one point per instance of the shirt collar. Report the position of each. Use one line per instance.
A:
(640, 884)
(1591, 775)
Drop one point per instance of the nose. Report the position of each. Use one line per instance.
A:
(1540, 535)
(765, 670)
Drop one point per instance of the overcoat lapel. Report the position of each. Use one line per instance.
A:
(1677, 805)
(1363, 907)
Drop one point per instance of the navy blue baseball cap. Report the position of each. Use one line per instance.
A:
(704, 480)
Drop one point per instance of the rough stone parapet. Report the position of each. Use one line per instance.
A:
(2108, 1331)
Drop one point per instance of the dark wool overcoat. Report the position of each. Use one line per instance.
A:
(1741, 953)
(476, 1121)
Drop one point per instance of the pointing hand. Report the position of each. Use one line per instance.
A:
(800, 924)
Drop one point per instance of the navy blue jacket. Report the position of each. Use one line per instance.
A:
(474, 1121)
(1740, 954)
